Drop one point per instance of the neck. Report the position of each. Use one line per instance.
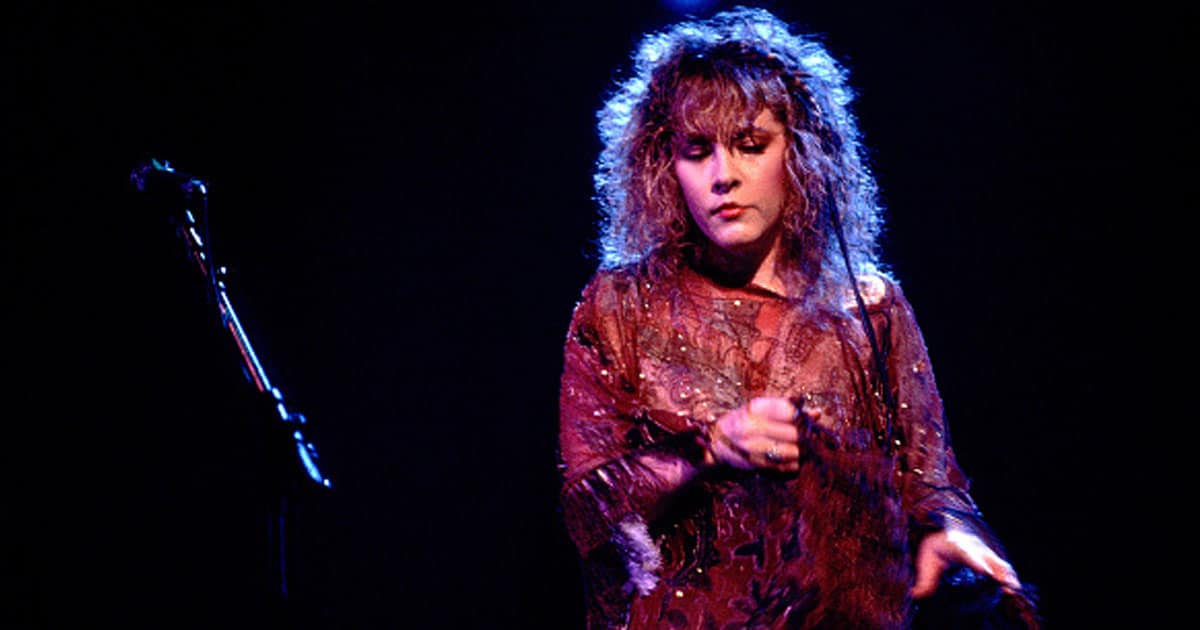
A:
(755, 266)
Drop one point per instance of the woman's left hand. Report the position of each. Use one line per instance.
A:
(949, 547)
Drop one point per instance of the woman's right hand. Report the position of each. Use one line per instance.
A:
(760, 434)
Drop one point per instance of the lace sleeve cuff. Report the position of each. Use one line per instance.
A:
(596, 504)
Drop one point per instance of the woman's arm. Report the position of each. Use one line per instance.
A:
(616, 474)
(934, 487)
(949, 529)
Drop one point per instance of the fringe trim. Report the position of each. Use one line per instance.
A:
(642, 556)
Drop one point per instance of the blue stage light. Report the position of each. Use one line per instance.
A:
(689, 6)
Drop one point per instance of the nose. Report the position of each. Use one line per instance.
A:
(724, 175)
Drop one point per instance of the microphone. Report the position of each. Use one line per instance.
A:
(146, 173)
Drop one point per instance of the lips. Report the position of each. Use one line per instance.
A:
(728, 211)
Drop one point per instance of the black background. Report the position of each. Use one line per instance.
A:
(402, 196)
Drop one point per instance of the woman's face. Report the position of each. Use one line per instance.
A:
(735, 188)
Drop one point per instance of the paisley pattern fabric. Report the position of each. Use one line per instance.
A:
(647, 365)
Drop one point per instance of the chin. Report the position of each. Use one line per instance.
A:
(739, 243)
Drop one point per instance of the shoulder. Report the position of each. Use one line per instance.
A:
(605, 316)
(878, 292)
(609, 294)
(621, 279)
(609, 286)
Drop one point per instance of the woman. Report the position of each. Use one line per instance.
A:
(749, 437)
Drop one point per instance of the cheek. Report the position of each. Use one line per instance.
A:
(689, 186)
(776, 180)
(778, 169)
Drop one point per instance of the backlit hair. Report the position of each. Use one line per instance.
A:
(720, 73)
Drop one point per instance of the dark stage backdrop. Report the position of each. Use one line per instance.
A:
(402, 195)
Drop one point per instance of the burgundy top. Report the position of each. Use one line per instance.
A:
(647, 365)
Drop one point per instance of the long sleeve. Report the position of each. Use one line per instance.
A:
(936, 493)
(618, 465)
(647, 364)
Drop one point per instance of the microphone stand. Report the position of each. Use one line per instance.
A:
(194, 234)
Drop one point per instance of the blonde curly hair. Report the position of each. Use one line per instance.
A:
(724, 71)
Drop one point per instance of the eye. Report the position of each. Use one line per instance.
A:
(753, 148)
(752, 144)
(695, 150)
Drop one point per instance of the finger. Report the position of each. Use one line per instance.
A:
(739, 424)
(775, 454)
(759, 419)
(929, 571)
(1003, 573)
(924, 587)
(973, 552)
(731, 454)
(772, 408)
(733, 457)
(780, 432)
